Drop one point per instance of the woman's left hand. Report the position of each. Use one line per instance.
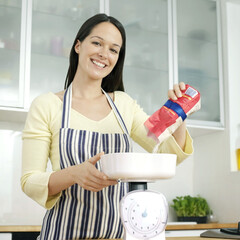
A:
(176, 93)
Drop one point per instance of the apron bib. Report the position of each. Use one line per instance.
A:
(79, 213)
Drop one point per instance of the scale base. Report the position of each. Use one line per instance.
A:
(128, 236)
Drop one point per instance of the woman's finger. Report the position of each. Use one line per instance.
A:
(90, 178)
(182, 85)
(177, 90)
(171, 94)
(95, 158)
(97, 186)
(99, 178)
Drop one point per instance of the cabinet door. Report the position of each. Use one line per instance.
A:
(10, 25)
(146, 65)
(54, 27)
(198, 54)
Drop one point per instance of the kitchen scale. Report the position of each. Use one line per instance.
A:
(144, 213)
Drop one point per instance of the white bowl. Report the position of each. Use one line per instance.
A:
(138, 166)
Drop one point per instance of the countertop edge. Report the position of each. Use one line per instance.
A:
(37, 228)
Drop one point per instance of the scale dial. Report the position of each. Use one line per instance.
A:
(144, 213)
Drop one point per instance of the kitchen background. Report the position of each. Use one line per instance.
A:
(195, 41)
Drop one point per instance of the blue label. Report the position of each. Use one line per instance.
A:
(176, 108)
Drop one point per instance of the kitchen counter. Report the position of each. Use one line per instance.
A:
(193, 231)
(190, 238)
(177, 227)
(28, 228)
(201, 226)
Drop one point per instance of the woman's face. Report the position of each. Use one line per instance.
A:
(99, 51)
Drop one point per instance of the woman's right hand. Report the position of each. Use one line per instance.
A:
(89, 177)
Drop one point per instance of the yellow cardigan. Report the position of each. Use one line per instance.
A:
(41, 139)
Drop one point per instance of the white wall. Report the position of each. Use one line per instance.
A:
(213, 178)
(16, 208)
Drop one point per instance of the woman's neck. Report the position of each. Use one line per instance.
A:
(86, 88)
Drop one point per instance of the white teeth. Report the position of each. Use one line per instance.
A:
(99, 64)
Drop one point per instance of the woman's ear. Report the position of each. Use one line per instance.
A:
(77, 47)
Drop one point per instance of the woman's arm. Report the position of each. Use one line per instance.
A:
(179, 143)
(180, 135)
(85, 175)
(34, 180)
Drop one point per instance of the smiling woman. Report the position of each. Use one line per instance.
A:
(75, 127)
(99, 52)
(90, 30)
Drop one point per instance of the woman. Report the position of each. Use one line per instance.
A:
(94, 116)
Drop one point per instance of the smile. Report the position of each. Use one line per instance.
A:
(101, 65)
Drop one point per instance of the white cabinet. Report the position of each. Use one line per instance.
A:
(184, 233)
(35, 40)
(167, 41)
(11, 58)
(199, 58)
(54, 27)
(146, 72)
(5, 236)
(173, 41)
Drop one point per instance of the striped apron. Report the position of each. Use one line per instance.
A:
(79, 213)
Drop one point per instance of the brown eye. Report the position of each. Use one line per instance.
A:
(113, 50)
(96, 43)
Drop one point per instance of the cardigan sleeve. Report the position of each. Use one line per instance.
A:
(36, 143)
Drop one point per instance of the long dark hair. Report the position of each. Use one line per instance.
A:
(113, 81)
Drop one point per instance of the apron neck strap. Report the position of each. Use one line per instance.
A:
(116, 112)
(67, 103)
